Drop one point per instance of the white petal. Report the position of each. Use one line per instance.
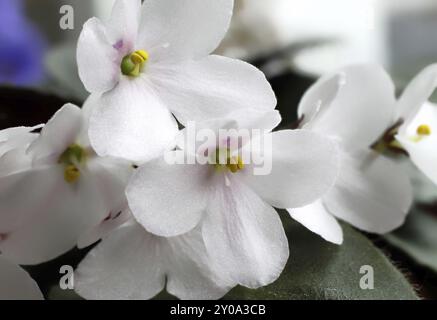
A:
(67, 211)
(34, 185)
(111, 177)
(418, 91)
(318, 98)
(211, 88)
(316, 218)
(425, 115)
(58, 134)
(124, 266)
(14, 161)
(421, 148)
(15, 132)
(169, 200)
(184, 28)
(422, 154)
(372, 193)
(112, 222)
(358, 112)
(123, 25)
(256, 119)
(134, 264)
(14, 143)
(130, 122)
(244, 236)
(304, 166)
(98, 61)
(16, 284)
(87, 109)
(240, 125)
(18, 137)
(245, 119)
(191, 273)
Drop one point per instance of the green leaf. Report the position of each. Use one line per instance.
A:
(320, 270)
(418, 238)
(56, 293)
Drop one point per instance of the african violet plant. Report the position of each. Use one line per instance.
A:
(175, 163)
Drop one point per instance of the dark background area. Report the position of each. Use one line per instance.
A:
(28, 107)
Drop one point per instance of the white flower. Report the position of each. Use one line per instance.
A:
(153, 60)
(418, 135)
(65, 191)
(16, 284)
(19, 137)
(14, 159)
(355, 107)
(243, 234)
(13, 145)
(131, 263)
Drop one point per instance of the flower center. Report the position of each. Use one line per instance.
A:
(133, 63)
(388, 142)
(72, 158)
(224, 160)
(422, 131)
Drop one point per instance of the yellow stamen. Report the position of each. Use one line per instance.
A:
(139, 56)
(132, 64)
(71, 174)
(423, 130)
(232, 163)
(73, 156)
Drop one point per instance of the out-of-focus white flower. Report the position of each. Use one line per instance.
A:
(16, 284)
(355, 107)
(417, 135)
(256, 29)
(243, 234)
(131, 263)
(64, 192)
(153, 60)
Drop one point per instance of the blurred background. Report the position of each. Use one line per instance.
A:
(292, 41)
(309, 37)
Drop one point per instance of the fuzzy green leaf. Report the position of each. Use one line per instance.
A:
(418, 239)
(318, 270)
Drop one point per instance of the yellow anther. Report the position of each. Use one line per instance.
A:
(142, 55)
(423, 130)
(232, 167)
(139, 57)
(72, 157)
(240, 164)
(235, 164)
(132, 64)
(223, 159)
(71, 174)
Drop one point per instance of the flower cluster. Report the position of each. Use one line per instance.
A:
(115, 170)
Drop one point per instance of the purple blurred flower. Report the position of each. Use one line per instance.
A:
(21, 46)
